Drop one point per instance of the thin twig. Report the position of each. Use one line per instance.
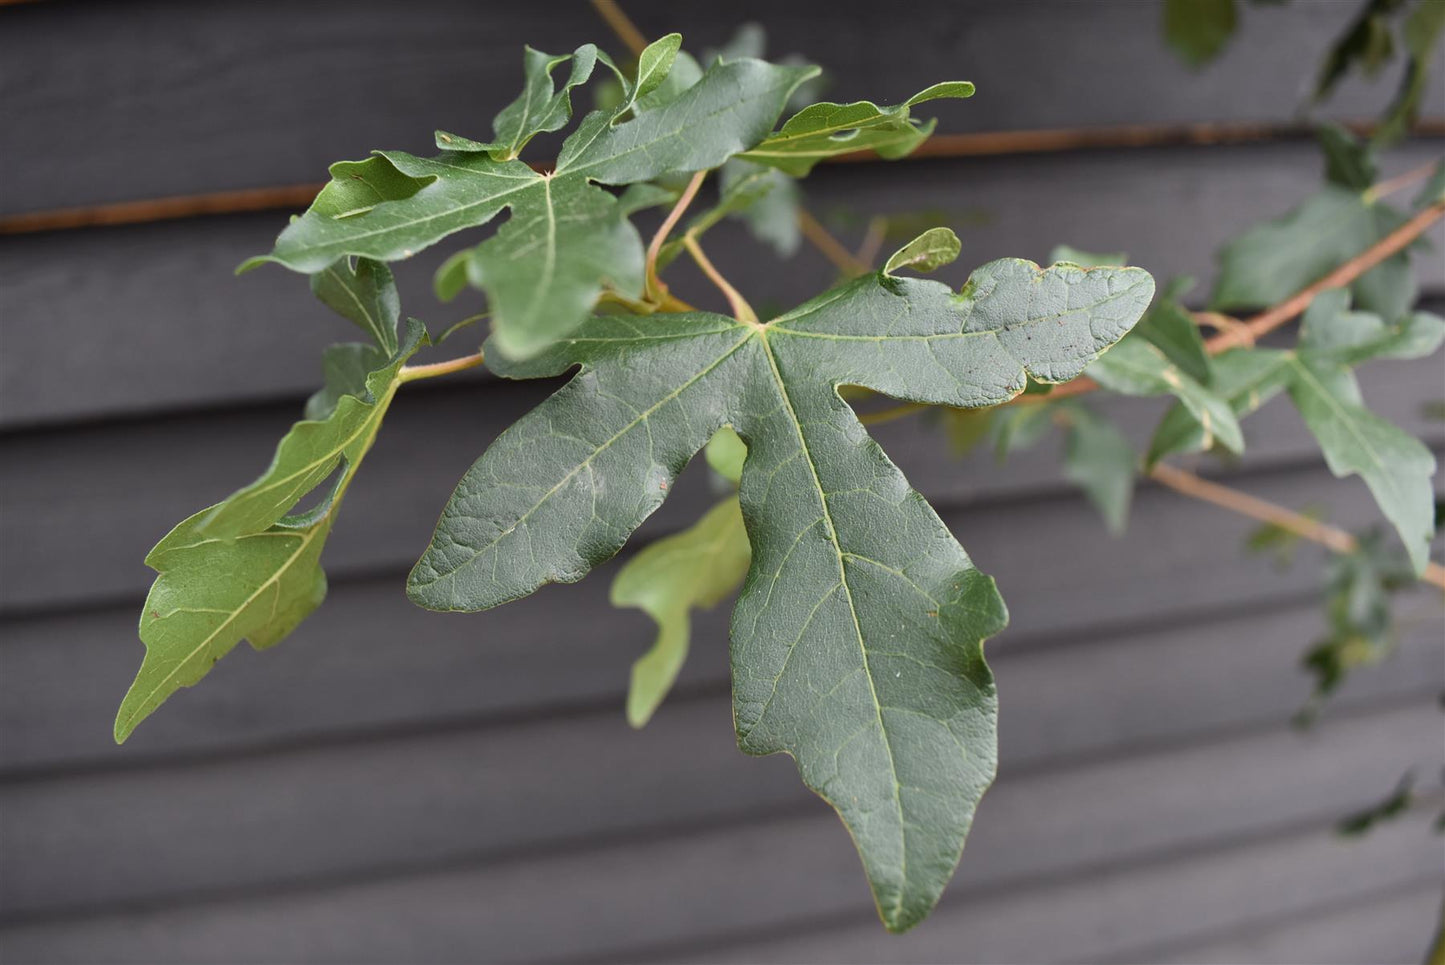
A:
(653, 286)
(410, 373)
(1400, 181)
(873, 240)
(1286, 310)
(1247, 332)
(896, 412)
(1054, 140)
(742, 311)
(1331, 537)
(621, 25)
(832, 249)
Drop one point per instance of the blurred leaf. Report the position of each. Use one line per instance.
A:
(1367, 43)
(1358, 612)
(1422, 29)
(725, 453)
(1099, 459)
(1434, 189)
(698, 567)
(1198, 29)
(1397, 803)
(1274, 260)
(1137, 367)
(1349, 162)
(1277, 542)
(1086, 259)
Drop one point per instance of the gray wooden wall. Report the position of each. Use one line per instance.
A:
(394, 785)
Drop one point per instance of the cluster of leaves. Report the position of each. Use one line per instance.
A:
(1199, 30)
(857, 637)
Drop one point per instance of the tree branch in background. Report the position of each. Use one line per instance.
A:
(1331, 537)
(830, 247)
(621, 25)
(1267, 321)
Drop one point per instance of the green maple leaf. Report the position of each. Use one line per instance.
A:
(567, 237)
(539, 108)
(857, 639)
(244, 569)
(1272, 261)
(826, 130)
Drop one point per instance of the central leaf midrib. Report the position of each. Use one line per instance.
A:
(371, 421)
(306, 536)
(853, 614)
(1343, 415)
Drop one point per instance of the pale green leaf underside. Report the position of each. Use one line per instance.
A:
(696, 568)
(243, 569)
(857, 640)
(365, 294)
(827, 130)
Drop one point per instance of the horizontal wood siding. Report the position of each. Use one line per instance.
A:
(394, 785)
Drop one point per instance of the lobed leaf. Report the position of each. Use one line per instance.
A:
(1272, 261)
(243, 569)
(567, 238)
(1395, 465)
(857, 639)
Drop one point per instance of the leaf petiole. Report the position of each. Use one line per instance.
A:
(412, 373)
(653, 288)
(742, 311)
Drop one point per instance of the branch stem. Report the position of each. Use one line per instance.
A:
(1247, 332)
(653, 286)
(1331, 537)
(411, 373)
(621, 25)
(1400, 181)
(742, 311)
(1269, 320)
